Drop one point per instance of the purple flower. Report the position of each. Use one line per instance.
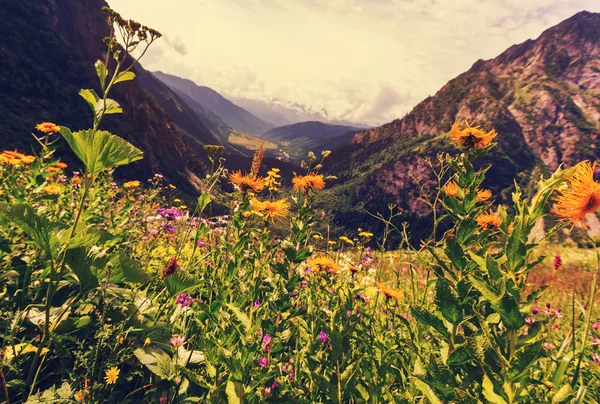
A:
(427, 337)
(256, 304)
(169, 229)
(548, 304)
(266, 343)
(262, 362)
(169, 214)
(184, 299)
(323, 337)
(291, 376)
(535, 310)
(200, 243)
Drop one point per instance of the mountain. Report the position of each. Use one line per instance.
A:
(542, 96)
(47, 54)
(283, 113)
(234, 116)
(299, 138)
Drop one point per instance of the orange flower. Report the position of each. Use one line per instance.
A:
(582, 197)
(488, 221)
(510, 229)
(61, 165)
(76, 180)
(451, 189)
(28, 159)
(53, 170)
(47, 127)
(248, 182)
(312, 181)
(271, 210)
(131, 184)
(483, 195)
(471, 137)
(389, 292)
(323, 264)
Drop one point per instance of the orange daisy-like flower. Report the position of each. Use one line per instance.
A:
(312, 181)
(483, 195)
(271, 210)
(389, 292)
(488, 221)
(131, 184)
(323, 264)
(248, 182)
(510, 229)
(451, 189)
(76, 179)
(582, 197)
(47, 127)
(112, 375)
(28, 159)
(61, 165)
(53, 170)
(471, 137)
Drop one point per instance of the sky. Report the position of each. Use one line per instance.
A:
(366, 61)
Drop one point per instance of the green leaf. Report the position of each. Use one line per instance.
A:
(127, 270)
(429, 319)
(107, 107)
(460, 355)
(101, 71)
(489, 394)
(563, 394)
(125, 76)
(242, 317)
(561, 370)
(157, 361)
(36, 226)
(90, 97)
(180, 282)
(203, 201)
(101, 150)
(447, 301)
(427, 391)
(235, 392)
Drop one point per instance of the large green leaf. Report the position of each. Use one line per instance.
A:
(447, 301)
(101, 150)
(157, 361)
(26, 217)
(235, 392)
(179, 282)
(124, 76)
(127, 270)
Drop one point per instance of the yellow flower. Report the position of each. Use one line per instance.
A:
(172, 186)
(248, 182)
(183, 207)
(346, 240)
(312, 181)
(488, 221)
(582, 197)
(471, 137)
(483, 195)
(331, 242)
(272, 180)
(451, 189)
(112, 375)
(176, 200)
(365, 234)
(10, 351)
(389, 292)
(52, 189)
(47, 127)
(271, 210)
(323, 264)
(317, 237)
(131, 184)
(147, 341)
(28, 159)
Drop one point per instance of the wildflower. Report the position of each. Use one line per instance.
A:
(184, 300)
(529, 321)
(426, 337)
(200, 243)
(171, 267)
(483, 195)
(266, 343)
(488, 221)
(365, 234)
(596, 359)
(582, 197)
(331, 242)
(61, 165)
(271, 210)
(471, 137)
(312, 181)
(256, 304)
(262, 362)
(323, 337)
(257, 159)
(389, 292)
(323, 264)
(163, 400)
(79, 396)
(596, 326)
(346, 240)
(47, 127)
(169, 214)
(214, 151)
(317, 236)
(52, 189)
(53, 170)
(112, 375)
(28, 159)
(557, 262)
(451, 189)
(510, 229)
(177, 341)
(535, 310)
(131, 184)
(147, 341)
(272, 181)
(549, 346)
(248, 182)
(548, 304)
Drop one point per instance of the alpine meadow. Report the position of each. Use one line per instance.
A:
(165, 242)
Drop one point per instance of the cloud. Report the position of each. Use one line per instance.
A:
(366, 61)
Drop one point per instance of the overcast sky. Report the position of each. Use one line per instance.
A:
(366, 61)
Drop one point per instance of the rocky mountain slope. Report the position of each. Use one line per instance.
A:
(542, 96)
(234, 116)
(47, 52)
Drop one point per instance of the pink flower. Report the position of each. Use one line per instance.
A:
(557, 262)
(262, 362)
(535, 310)
(549, 346)
(177, 341)
(529, 321)
(596, 326)
(596, 359)
(323, 337)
